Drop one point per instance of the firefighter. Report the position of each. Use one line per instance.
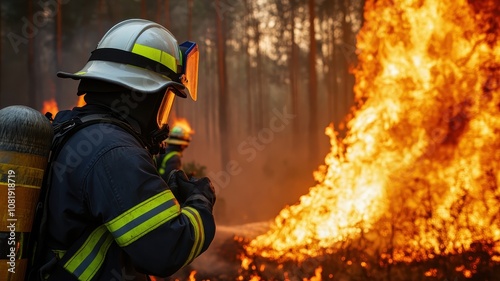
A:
(178, 140)
(110, 214)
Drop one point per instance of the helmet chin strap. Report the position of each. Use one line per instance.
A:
(156, 145)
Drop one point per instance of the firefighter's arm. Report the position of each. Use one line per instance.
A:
(143, 215)
(191, 190)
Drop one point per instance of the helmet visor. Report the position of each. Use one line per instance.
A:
(165, 107)
(190, 56)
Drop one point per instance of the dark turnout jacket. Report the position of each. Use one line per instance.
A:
(112, 217)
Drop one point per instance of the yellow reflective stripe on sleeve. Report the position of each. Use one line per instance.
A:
(85, 263)
(143, 218)
(165, 159)
(199, 232)
(157, 55)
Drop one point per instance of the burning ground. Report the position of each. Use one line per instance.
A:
(412, 192)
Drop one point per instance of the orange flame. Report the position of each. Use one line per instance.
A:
(317, 275)
(81, 102)
(191, 275)
(50, 106)
(420, 167)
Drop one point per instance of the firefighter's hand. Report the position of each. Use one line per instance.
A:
(205, 189)
(191, 190)
(180, 186)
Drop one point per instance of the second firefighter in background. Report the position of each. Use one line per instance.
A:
(177, 141)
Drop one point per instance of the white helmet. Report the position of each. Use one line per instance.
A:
(139, 55)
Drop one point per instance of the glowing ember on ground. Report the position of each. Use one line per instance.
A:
(191, 276)
(418, 172)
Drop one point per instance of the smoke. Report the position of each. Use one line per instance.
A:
(266, 172)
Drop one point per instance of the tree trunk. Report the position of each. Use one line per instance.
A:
(223, 98)
(294, 81)
(44, 56)
(207, 100)
(144, 12)
(329, 73)
(349, 48)
(341, 67)
(179, 107)
(259, 110)
(248, 67)
(213, 99)
(59, 95)
(190, 20)
(158, 11)
(166, 22)
(115, 10)
(32, 96)
(100, 15)
(313, 86)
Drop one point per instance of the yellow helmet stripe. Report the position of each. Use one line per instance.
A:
(157, 55)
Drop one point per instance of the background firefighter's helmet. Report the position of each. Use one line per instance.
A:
(137, 54)
(179, 136)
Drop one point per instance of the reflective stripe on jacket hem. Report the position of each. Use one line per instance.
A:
(85, 263)
(124, 229)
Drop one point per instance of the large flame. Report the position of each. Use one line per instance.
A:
(420, 165)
